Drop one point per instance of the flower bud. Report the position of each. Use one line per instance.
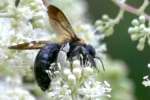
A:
(100, 28)
(131, 30)
(72, 78)
(146, 83)
(76, 63)
(142, 40)
(109, 31)
(105, 17)
(67, 71)
(134, 37)
(142, 26)
(88, 70)
(142, 19)
(38, 23)
(140, 46)
(135, 22)
(77, 72)
(99, 22)
(148, 65)
(33, 5)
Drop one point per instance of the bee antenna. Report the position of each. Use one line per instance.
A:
(101, 62)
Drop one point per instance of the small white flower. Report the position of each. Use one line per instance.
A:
(106, 83)
(66, 71)
(146, 80)
(88, 70)
(142, 19)
(77, 71)
(140, 32)
(145, 77)
(135, 22)
(72, 78)
(13, 92)
(146, 83)
(148, 65)
(93, 89)
(121, 1)
(76, 63)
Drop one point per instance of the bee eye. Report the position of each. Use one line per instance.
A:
(91, 50)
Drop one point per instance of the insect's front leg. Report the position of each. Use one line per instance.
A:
(81, 55)
(87, 58)
(91, 60)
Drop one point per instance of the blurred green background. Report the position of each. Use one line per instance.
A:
(121, 47)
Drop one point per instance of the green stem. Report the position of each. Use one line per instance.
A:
(119, 16)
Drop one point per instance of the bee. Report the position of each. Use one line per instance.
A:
(49, 51)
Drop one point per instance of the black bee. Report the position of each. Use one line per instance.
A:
(49, 51)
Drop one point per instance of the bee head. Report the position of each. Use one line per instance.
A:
(90, 50)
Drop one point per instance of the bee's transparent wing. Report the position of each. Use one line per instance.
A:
(60, 24)
(29, 45)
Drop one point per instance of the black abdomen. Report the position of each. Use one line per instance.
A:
(44, 58)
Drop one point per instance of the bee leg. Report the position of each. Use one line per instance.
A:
(81, 60)
(85, 56)
(85, 60)
(71, 62)
(76, 52)
(101, 62)
(91, 60)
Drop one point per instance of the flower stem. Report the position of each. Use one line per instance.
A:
(119, 16)
(133, 10)
(144, 6)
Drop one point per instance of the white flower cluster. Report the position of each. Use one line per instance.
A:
(28, 12)
(17, 25)
(24, 22)
(94, 90)
(15, 93)
(140, 32)
(76, 82)
(106, 25)
(10, 90)
(146, 79)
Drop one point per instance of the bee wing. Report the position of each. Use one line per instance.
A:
(29, 45)
(60, 24)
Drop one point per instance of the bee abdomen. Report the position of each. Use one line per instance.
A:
(45, 57)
